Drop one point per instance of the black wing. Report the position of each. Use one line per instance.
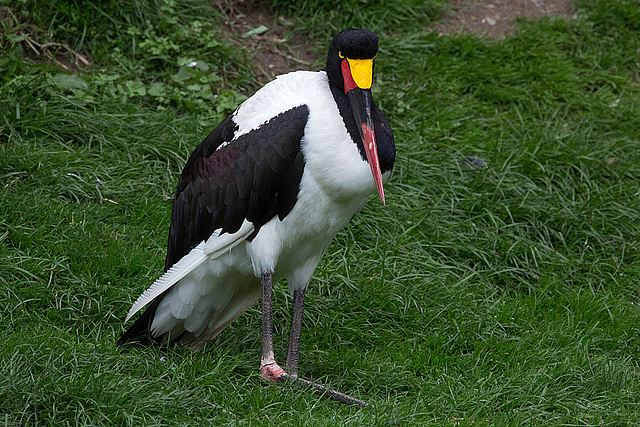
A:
(255, 177)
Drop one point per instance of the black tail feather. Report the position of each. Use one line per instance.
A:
(140, 331)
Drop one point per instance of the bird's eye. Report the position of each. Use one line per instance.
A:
(340, 54)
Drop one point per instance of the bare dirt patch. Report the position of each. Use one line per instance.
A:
(495, 18)
(251, 26)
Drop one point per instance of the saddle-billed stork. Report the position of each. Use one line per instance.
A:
(263, 195)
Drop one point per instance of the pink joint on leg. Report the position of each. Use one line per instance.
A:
(273, 372)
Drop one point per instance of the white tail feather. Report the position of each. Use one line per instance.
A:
(170, 278)
(214, 246)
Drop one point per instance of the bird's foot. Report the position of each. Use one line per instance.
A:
(333, 394)
(273, 372)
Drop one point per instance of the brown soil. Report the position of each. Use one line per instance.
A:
(495, 18)
(275, 48)
(277, 52)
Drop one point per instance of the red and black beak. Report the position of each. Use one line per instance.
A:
(357, 75)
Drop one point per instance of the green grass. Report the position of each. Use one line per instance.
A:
(505, 295)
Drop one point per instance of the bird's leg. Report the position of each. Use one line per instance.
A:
(293, 354)
(293, 351)
(268, 367)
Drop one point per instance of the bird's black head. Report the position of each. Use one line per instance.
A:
(353, 44)
(350, 74)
